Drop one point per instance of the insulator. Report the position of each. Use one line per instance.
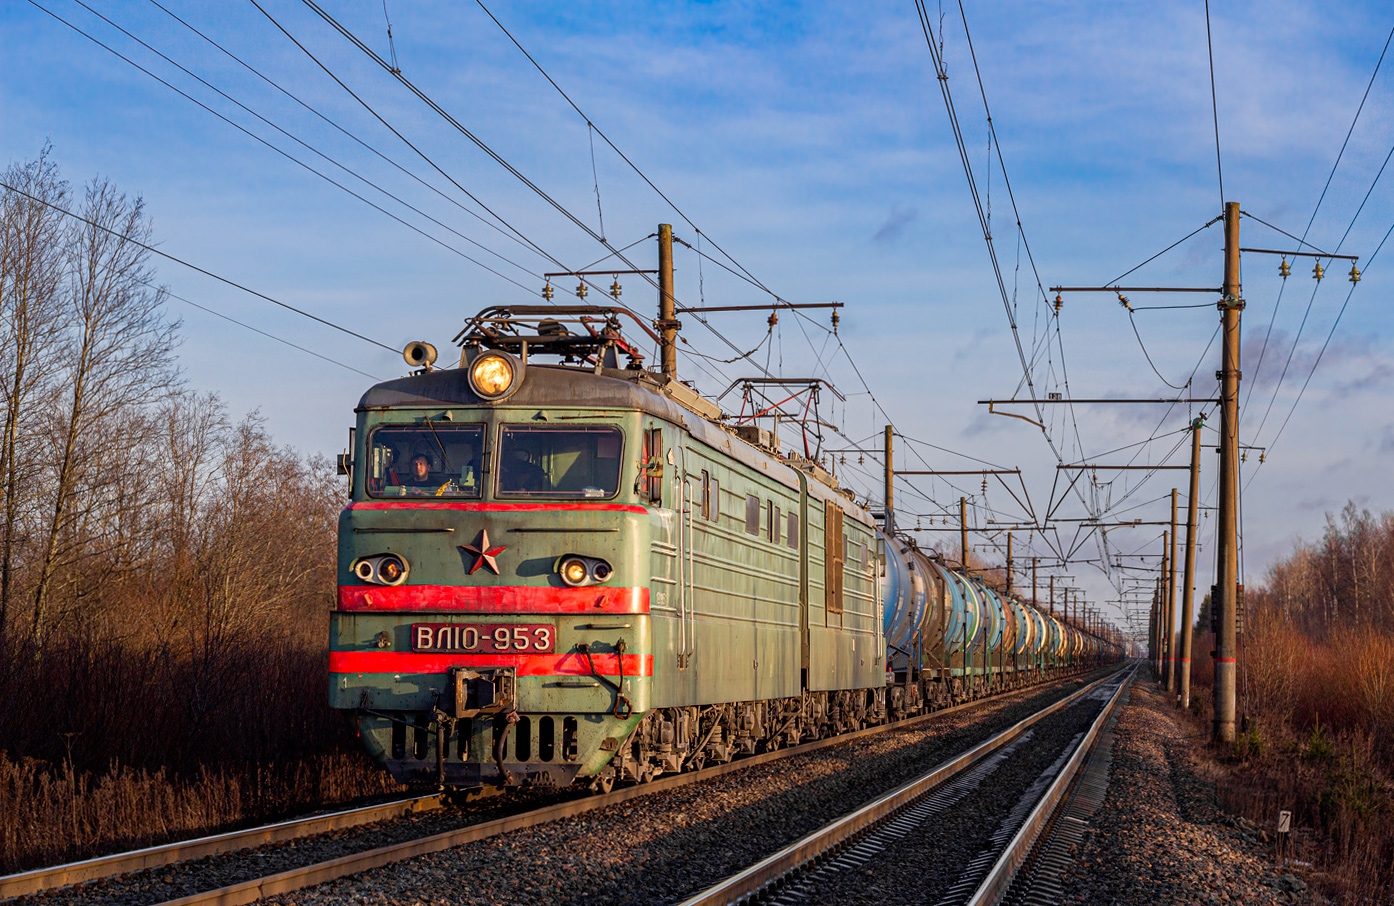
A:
(1354, 274)
(1262, 457)
(861, 460)
(581, 290)
(1244, 457)
(1318, 271)
(1283, 270)
(917, 522)
(1123, 301)
(844, 459)
(1059, 303)
(984, 486)
(547, 292)
(774, 318)
(835, 321)
(615, 288)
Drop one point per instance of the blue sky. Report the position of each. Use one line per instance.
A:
(812, 143)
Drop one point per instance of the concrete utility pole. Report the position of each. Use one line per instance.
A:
(1157, 627)
(1152, 632)
(1164, 611)
(963, 531)
(1227, 536)
(1173, 681)
(890, 484)
(1009, 563)
(1188, 590)
(1052, 596)
(667, 321)
(1034, 586)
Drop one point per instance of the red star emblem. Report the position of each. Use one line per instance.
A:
(483, 554)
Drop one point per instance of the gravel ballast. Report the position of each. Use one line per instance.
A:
(930, 862)
(686, 837)
(1159, 836)
(667, 846)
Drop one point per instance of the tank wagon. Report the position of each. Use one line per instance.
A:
(560, 566)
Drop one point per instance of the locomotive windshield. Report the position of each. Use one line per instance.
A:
(537, 461)
(425, 460)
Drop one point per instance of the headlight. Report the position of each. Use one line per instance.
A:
(381, 569)
(391, 570)
(573, 571)
(491, 375)
(576, 571)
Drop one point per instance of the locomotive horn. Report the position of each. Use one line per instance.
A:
(419, 354)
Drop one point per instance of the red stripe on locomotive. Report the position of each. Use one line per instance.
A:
(481, 507)
(495, 599)
(569, 664)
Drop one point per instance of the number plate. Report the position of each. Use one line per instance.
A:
(483, 638)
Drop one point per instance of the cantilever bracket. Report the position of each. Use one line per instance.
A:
(992, 411)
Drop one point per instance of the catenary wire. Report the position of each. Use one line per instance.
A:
(194, 267)
(350, 135)
(268, 144)
(1339, 155)
(1214, 105)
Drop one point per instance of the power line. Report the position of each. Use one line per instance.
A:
(264, 142)
(1214, 104)
(1339, 155)
(353, 137)
(207, 273)
(368, 107)
(624, 157)
(1322, 351)
(267, 334)
(942, 76)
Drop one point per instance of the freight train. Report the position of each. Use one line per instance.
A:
(560, 567)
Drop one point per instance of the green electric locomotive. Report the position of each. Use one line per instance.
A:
(559, 565)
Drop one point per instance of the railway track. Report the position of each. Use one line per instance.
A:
(300, 877)
(819, 866)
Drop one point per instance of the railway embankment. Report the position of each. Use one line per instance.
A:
(1163, 833)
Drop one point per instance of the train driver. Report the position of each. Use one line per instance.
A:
(419, 475)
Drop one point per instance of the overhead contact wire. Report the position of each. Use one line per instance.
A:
(194, 267)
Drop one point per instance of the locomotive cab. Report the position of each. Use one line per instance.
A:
(492, 617)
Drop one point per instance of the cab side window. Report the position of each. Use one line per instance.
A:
(652, 466)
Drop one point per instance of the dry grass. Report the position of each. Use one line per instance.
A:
(56, 814)
(1316, 741)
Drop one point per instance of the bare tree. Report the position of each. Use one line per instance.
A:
(31, 343)
(123, 352)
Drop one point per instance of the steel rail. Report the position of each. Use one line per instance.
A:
(40, 879)
(999, 879)
(770, 869)
(310, 875)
